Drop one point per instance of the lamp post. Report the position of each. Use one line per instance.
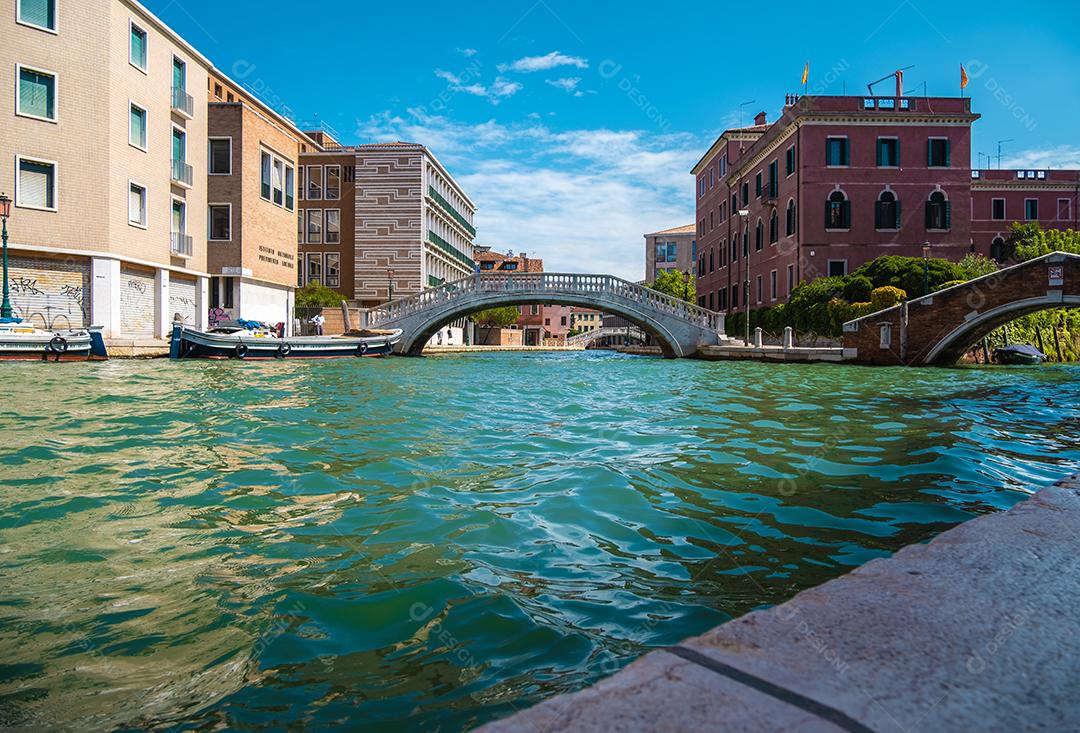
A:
(926, 268)
(686, 286)
(5, 212)
(744, 214)
(390, 283)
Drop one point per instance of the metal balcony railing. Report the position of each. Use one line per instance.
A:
(182, 173)
(181, 244)
(183, 102)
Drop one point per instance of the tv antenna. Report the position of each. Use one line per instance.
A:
(1009, 140)
(898, 75)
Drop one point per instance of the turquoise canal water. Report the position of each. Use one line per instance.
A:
(426, 544)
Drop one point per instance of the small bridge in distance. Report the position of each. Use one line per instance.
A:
(680, 328)
(633, 333)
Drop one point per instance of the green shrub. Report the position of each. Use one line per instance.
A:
(317, 295)
(909, 273)
(857, 289)
(949, 284)
(886, 297)
(973, 266)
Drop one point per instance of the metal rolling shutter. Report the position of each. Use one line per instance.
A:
(50, 293)
(182, 301)
(136, 303)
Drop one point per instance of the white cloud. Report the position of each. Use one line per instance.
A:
(467, 52)
(579, 199)
(569, 85)
(499, 89)
(1060, 157)
(543, 63)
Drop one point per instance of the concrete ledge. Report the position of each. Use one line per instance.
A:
(976, 630)
(432, 350)
(772, 353)
(137, 348)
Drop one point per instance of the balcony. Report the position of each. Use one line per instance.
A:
(180, 244)
(768, 193)
(182, 174)
(183, 103)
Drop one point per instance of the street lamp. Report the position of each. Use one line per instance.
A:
(686, 286)
(744, 214)
(390, 283)
(5, 212)
(926, 268)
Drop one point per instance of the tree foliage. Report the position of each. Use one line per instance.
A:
(674, 283)
(497, 317)
(317, 295)
(1028, 241)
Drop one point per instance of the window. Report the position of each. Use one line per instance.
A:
(745, 193)
(314, 266)
(790, 160)
(937, 152)
(759, 236)
(277, 181)
(137, 127)
(179, 75)
(734, 296)
(333, 226)
(487, 265)
(757, 185)
(179, 217)
(137, 51)
(789, 220)
(314, 179)
(837, 268)
(220, 156)
(837, 211)
(220, 217)
(774, 178)
(772, 285)
(757, 282)
(997, 209)
(535, 310)
(290, 188)
(888, 152)
(300, 183)
(38, 13)
(672, 251)
(1064, 209)
(887, 211)
(509, 266)
(790, 279)
(661, 252)
(1031, 209)
(836, 151)
(37, 94)
(36, 185)
(136, 205)
(997, 250)
(274, 180)
(712, 261)
(333, 182)
(774, 228)
(701, 187)
(314, 226)
(179, 147)
(333, 270)
(264, 175)
(300, 228)
(938, 212)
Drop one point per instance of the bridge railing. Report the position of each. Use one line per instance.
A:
(606, 331)
(541, 283)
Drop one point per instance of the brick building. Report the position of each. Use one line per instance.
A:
(674, 248)
(531, 322)
(252, 245)
(832, 184)
(1001, 197)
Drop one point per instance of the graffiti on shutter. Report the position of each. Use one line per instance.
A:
(182, 301)
(50, 293)
(136, 303)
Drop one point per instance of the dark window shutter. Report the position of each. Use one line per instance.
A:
(879, 215)
(898, 213)
(948, 155)
(880, 150)
(847, 214)
(828, 212)
(897, 162)
(948, 214)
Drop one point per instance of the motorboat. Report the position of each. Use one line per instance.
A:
(26, 342)
(1023, 354)
(244, 339)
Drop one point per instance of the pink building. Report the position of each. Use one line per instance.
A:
(557, 321)
(1001, 197)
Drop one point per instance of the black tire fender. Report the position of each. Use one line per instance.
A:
(241, 350)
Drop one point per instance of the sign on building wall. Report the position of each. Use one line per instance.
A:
(1056, 275)
(50, 293)
(182, 301)
(136, 303)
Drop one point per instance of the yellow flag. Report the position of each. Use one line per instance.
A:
(806, 73)
(963, 77)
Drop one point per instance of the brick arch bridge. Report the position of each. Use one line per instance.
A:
(680, 328)
(941, 327)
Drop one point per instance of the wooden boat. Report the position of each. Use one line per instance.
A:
(1023, 354)
(25, 342)
(251, 340)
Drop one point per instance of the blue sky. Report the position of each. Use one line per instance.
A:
(573, 125)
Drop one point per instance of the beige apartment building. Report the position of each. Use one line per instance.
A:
(252, 208)
(104, 152)
(671, 249)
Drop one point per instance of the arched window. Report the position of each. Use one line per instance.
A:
(938, 212)
(837, 211)
(759, 236)
(774, 228)
(789, 228)
(887, 211)
(997, 250)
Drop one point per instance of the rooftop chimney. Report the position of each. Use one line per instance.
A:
(759, 119)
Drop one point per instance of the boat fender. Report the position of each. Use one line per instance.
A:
(58, 345)
(361, 348)
(284, 350)
(241, 350)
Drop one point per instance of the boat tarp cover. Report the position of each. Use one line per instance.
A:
(1025, 349)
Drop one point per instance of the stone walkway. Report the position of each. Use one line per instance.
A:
(978, 630)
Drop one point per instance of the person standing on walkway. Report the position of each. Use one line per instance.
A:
(317, 320)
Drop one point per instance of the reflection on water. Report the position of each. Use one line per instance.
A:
(427, 544)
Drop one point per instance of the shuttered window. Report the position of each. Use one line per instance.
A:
(937, 152)
(136, 205)
(37, 184)
(137, 127)
(938, 212)
(41, 13)
(37, 94)
(221, 157)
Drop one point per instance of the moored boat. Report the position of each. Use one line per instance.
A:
(26, 342)
(252, 340)
(1023, 354)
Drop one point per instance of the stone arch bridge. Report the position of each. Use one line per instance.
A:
(633, 333)
(680, 328)
(939, 328)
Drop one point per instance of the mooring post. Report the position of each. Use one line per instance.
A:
(757, 337)
(1057, 343)
(1039, 338)
(789, 338)
(345, 315)
(986, 350)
